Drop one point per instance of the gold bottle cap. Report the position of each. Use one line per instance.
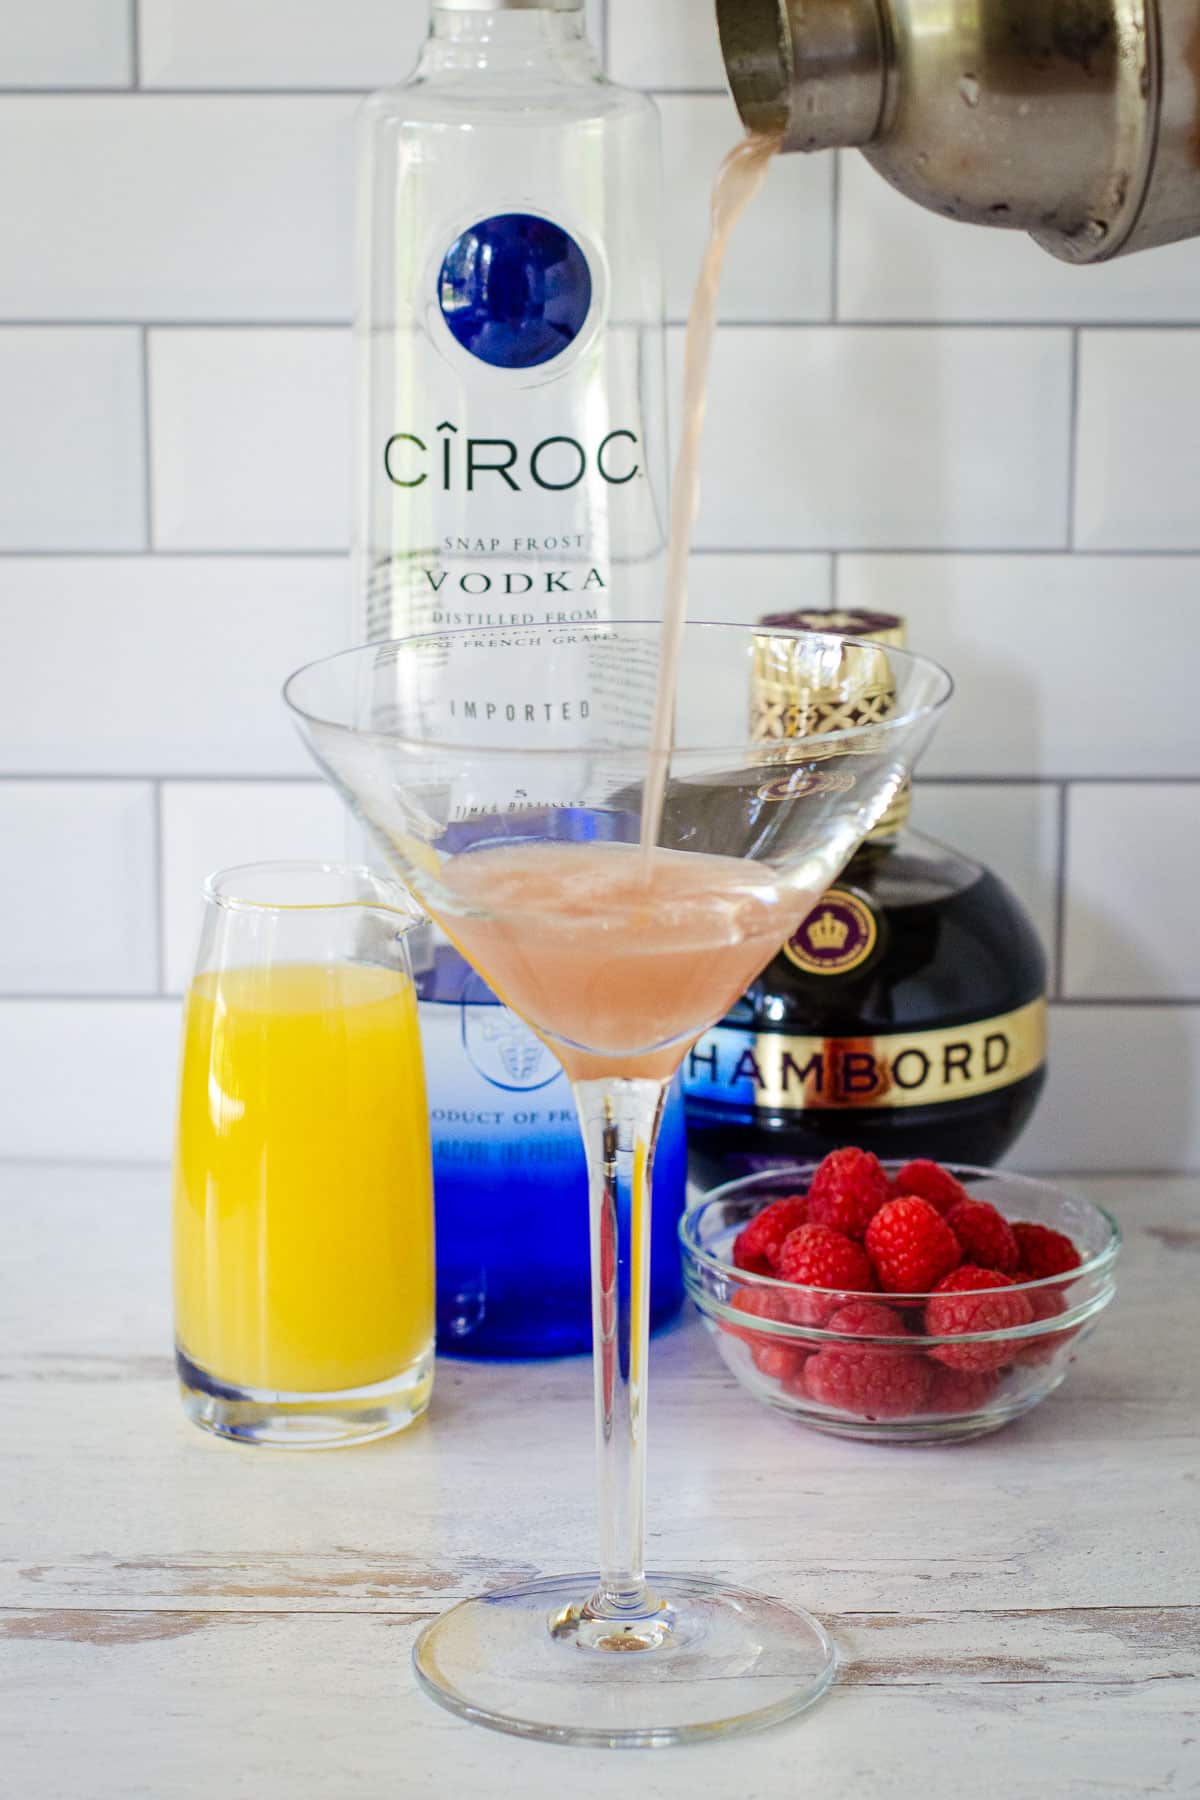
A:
(796, 694)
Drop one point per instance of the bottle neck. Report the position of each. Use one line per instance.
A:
(512, 39)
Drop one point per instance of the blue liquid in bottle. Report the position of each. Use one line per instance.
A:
(510, 1182)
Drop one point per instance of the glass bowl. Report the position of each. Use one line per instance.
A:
(900, 1384)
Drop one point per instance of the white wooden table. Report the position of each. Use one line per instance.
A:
(182, 1617)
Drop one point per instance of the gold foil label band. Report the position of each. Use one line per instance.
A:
(909, 1068)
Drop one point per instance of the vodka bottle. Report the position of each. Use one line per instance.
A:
(512, 453)
(512, 437)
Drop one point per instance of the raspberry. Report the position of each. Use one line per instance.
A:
(1044, 1252)
(760, 1303)
(929, 1181)
(782, 1362)
(819, 1257)
(773, 1355)
(867, 1318)
(960, 1390)
(848, 1190)
(986, 1236)
(911, 1246)
(756, 1247)
(975, 1300)
(1046, 1304)
(868, 1379)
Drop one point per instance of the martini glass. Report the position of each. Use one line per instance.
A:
(505, 772)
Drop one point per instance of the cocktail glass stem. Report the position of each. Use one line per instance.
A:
(620, 1121)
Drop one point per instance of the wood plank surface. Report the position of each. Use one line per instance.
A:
(185, 1618)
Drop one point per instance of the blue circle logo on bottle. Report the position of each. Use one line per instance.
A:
(515, 290)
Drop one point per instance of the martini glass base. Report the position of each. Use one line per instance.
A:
(716, 1660)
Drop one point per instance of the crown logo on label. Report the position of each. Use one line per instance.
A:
(828, 932)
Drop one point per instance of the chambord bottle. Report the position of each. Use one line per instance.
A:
(907, 1015)
(512, 440)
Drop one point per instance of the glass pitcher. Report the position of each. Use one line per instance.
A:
(303, 1210)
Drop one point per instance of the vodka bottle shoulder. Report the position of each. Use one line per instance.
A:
(511, 436)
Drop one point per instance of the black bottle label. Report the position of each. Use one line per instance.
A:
(837, 937)
(909, 1068)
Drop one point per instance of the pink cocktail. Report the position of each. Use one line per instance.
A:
(617, 963)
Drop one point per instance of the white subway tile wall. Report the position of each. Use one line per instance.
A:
(77, 903)
(156, 665)
(880, 439)
(181, 207)
(1139, 403)
(73, 455)
(251, 435)
(906, 413)
(1134, 927)
(282, 44)
(66, 43)
(297, 44)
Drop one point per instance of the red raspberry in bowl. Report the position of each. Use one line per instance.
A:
(773, 1355)
(848, 1190)
(760, 1303)
(781, 1362)
(929, 1181)
(972, 1300)
(960, 1390)
(1047, 1304)
(869, 1380)
(987, 1238)
(911, 1246)
(1044, 1252)
(756, 1247)
(867, 1318)
(816, 1256)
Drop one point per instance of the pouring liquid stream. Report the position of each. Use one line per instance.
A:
(739, 179)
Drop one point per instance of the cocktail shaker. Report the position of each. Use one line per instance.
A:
(1075, 120)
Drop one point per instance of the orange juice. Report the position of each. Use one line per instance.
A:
(303, 1189)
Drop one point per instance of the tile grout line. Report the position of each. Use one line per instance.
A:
(135, 42)
(1073, 441)
(160, 910)
(1060, 891)
(147, 443)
